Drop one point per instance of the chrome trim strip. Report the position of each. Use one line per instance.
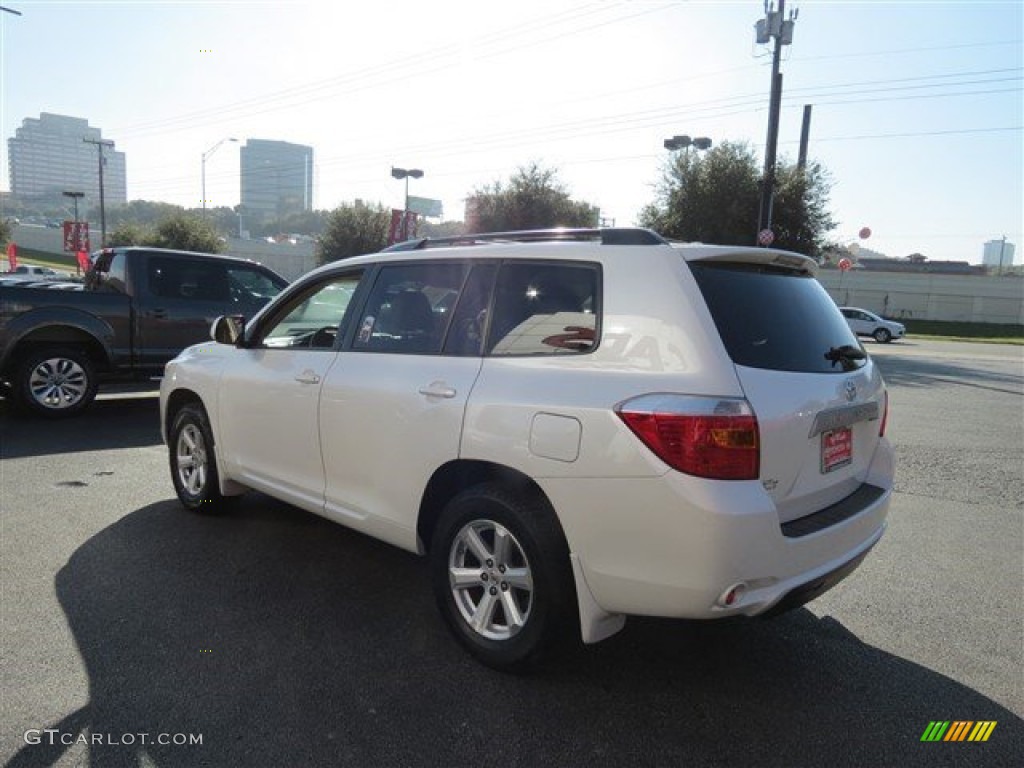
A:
(844, 416)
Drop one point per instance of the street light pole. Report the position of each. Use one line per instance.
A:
(403, 173)
(206, 154)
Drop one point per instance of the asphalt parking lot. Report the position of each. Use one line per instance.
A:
(284, 640)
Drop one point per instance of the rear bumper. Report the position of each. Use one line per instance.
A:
(673, 546)
(814, 588)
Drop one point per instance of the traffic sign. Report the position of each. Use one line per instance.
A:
(765, 237)
(845, 264)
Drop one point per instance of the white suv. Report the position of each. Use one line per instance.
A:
(573, 425)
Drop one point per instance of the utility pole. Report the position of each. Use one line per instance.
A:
(773, 25)
(100, 144)
(805, 135)
(1002, 247)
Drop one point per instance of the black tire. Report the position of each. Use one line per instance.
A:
(520, 590)
(55, 382)
(882, 335)
(194, 462)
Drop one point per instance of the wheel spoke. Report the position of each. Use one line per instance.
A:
(519, 578)
(513, 616)
(464, 578)
(502, 545)
(484, 613)
(476, 544)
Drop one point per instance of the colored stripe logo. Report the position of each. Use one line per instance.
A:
(958, 730)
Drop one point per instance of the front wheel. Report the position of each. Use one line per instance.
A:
(193, 462)
(882, 335)
(501, 577)
(56, 382)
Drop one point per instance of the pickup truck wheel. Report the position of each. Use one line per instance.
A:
(501, 577)
(193, 462)
(56, 382)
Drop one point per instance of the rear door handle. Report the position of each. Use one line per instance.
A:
(438, 389)
(308, 377)
(158, 313)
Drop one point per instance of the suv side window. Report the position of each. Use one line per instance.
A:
(410, 307)
(545, 308)
(312, 319)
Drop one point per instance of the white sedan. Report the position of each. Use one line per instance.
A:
(865, 323)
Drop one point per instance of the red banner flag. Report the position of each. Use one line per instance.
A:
(12, 256)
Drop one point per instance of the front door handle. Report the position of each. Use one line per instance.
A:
(308, 377)
(438, 389)
(158, 313)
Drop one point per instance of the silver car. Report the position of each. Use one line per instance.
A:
(865, 323)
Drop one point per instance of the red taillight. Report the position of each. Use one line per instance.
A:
(885, 414)
(715, 438)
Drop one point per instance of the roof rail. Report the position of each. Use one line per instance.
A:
(607, 236)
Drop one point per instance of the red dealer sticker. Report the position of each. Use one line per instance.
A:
(836, 449)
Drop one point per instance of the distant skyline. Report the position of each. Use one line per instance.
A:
(918, 106)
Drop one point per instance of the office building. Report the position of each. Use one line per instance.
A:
(277, 180)
(49, 155)
(996, 253)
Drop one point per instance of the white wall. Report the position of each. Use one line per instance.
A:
(962, 298)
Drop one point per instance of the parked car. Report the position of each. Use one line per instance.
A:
(34, 271)
(864, 323)
(138, 308)
(573, 426)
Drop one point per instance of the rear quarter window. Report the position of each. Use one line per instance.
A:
(545, 308)
(773, 318)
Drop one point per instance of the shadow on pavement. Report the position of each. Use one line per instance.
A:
(109, 423)
(917, 371)
(286, 640)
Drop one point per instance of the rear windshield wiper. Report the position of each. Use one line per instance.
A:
(845, 354)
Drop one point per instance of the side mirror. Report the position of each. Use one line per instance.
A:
(227, 329)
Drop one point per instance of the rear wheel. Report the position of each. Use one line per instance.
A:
(882, 335)
(501, 577)
(193, 462)
(56, 382)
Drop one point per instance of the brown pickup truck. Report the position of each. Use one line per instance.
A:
(139, 307)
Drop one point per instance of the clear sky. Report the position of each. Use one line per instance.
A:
(918, 106)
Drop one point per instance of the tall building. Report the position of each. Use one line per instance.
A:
(277, 179)
(996, 253)
(49, 155)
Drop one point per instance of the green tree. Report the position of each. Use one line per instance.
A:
(144, 212)
(714, 198)
(129, 233)
(188, 233)
(352, 230)
(533, 198)
(442, 229)
(5, 232)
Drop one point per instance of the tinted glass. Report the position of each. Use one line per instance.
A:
(469, 322)
(774, 319)
(248, 286)
(178, 278)
(409, 308)
(543, 308)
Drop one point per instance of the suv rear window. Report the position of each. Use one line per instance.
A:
(772, 318)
